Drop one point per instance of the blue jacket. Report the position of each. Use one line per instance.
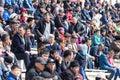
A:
(6, 15)
(12, 77)
(103, 61)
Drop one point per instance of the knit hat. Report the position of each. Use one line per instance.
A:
(74, 63)
(8, 59)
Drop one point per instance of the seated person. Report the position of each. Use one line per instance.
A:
(105, 65)
(15, 73)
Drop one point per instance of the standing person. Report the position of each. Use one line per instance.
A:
(21, 46)
(15, 73)
(44, 28)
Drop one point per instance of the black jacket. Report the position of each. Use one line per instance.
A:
(40, 28)
(32, 73)
(18, 47)
(78, 28)
(68, 75)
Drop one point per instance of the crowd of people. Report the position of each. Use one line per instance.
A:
(70, 36)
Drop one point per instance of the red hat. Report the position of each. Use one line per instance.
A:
(22, 10)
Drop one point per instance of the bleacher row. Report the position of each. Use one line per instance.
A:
(91, 73)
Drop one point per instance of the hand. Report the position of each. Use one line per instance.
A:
(41, 38)
(27, 52)
(93, 58)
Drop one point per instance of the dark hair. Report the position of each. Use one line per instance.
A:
(44, 51)
(97, 78)
(67, 53)
(46, 13)
(30, 19)
(4, 37)
(14, 67)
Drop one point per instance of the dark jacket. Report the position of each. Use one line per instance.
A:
(68, 75)
(32, 73)
(55, 74)
(65, 65)
(81, 58)
(59, 21)
(103, 61)
(12, 77)
(18, 47)
(78, 28)
(40, 28)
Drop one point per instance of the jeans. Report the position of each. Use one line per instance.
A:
(113, 72)
(117, 73)
(82, 71)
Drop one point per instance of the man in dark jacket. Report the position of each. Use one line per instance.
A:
(50, 67)
(21, 46)
(76, 27)
(72, 72)
(37, 70)
(44, 28)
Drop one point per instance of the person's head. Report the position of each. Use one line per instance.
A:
(61, 30)
(40, 63)
(97, 32)
(13, 16)
(15, 24)
(47, 17)
(8, 60)
(47, 76)
(51, 64)
(51, 38)
(28, 31)
(89, 42)
(67, 37)
(61, 12)
(54, 54)
(42, 8)
(73, 38)
(78, 8)
(69, 46)
(44, 54)
(111, 53)
(103, 32)
(74, 66)
(10, 9)
(100, 47)
(30, 20)
(21, 31)
(100, 76)
(68, 55)
(74, 20)
(15, 70)
(48, 8)
(5, 39)
(61, 43)
(38, 78)
(87, 6)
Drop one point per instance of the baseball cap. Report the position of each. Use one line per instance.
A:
(74, 36)
(40, 60)
(46, 74)
(50, 60)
